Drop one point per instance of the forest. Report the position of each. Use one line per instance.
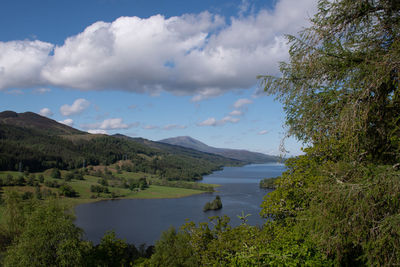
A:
(336, 205)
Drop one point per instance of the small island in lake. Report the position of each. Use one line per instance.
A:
(216, 204)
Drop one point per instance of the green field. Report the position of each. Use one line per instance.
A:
(83, 187)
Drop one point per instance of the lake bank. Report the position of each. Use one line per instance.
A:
(143, 220)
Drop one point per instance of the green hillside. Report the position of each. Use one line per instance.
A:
(35, 143)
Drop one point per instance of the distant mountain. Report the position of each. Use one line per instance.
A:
(183, 151)
(37, 143)
(238, 154)
(36, 121)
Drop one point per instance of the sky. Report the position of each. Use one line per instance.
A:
(152, 68)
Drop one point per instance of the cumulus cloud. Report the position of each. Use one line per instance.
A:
(173, 127)
(242, 102)
(97, 131)
(46, 112)
(263, 132)
(68, 122)
(108, 124)
(203, 55)
(236, 113)
(21, 63)
(77, 107)
(214, 122)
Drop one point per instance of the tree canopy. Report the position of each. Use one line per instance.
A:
(340, 89)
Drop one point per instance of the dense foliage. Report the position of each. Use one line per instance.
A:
(336, 205)
(42, 233)
(27, 148)
(216, 204)
(339, 203)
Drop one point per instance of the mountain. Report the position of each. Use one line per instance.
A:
(238, 154)
(38, 143)
(183, 151)
(36, 121)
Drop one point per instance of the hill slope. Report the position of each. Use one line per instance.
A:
(238, 154)
(39, 143)
(36, 121)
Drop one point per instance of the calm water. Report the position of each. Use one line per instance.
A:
(143, 220)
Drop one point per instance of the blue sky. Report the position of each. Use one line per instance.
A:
(154, 69)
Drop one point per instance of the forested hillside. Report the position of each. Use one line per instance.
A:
(336, 205)
(35, 143)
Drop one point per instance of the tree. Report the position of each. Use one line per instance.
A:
(56, 174)
(341, 95)
(68, 191)
(49, 239)
(340, 89)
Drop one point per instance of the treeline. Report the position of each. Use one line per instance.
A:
(35, 150)
(42, 233)
(183, 184)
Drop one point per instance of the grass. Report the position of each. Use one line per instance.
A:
(86, 196)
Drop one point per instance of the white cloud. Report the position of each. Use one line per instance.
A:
(236, 113)
(77, 107)
(46, 112)
(242, 102)
(208, 122)
(97, 131)
(173, 127)
(68, 122)
(213, 122)
(263, 132)
(21, 63)
(42, 90)
(112, 124)
(203, 55)
(109, 124)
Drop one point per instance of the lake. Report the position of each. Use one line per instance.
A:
(141, 221)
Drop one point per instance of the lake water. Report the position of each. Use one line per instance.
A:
(141, 221)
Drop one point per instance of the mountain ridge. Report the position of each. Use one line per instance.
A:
(33, 120)
(238, 154)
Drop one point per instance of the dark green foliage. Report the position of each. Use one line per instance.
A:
(43, 234)
(67, 191)
(55, 173)
(268, 183)
(8, 180)
(113, 251)
(183, 184)
(38, 150)
(49, 238)
(103, 182)
(140, 184)
(216, 204)
(341, 96)
(41, 178)
(338, 204)
(68, 176)
(20, 181)
(173, 249)
(99, 189)
(53, 184)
